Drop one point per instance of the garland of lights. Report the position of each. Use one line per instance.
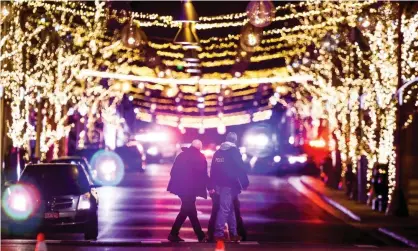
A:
(208, 121)
(378, 88)
(90, 45)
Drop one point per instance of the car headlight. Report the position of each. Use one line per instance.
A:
(297, 159)
(108, 166)
(258, 140)
(19, 202)
(253, 161)
(84, 202)
(153, 151)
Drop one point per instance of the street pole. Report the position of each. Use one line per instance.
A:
(398, 205)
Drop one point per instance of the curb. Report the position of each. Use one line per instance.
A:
(139, 243)
(398, 237)
(333, 203)
(355, 217)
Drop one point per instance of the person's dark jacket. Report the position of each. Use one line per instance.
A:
(189, 174)
(227, 169)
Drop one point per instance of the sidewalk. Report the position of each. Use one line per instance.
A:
(402, 229)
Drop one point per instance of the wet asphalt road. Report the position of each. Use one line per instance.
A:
(140, 210)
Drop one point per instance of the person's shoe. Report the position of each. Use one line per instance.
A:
(235, 238)
(174, 238)
(203, 239)
(243, 236)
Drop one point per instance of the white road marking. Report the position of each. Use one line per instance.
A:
(249, 243)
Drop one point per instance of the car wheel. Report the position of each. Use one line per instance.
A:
(92, 227)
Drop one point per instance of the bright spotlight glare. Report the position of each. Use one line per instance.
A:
(131, 40)
(319, 143)
(253, 161)
(277, 159)
(260, 140)
(300, 159)
(291, 140)
(19, 203)
(152, 137)
(153, 151)
(108, 166)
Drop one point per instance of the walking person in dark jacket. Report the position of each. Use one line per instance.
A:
(228, 179)
(242, 232)
(189, 179)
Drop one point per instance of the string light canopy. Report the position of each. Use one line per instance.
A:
(341, 71)
(194, 81)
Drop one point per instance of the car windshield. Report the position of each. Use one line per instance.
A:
(54, 180)
(72, 161)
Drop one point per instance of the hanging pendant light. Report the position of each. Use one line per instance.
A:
(187, 12)
(250, 37)
(187, 32)
(133, 36)
(260, 13)
(187, 35)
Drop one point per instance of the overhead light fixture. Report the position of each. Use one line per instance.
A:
(250, 37)
(133, 36)
(187, 12)
(187, 35)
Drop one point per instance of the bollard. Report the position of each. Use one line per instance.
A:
(40, 243)
(220, 245)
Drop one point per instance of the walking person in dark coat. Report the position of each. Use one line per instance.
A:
(189, 179)
(227, 179)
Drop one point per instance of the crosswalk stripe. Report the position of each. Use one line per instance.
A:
(249, 243)
(151, 242)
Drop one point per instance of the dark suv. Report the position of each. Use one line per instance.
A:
(53, 196)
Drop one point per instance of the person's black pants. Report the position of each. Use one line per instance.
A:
(215, 208)
(188, 209)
